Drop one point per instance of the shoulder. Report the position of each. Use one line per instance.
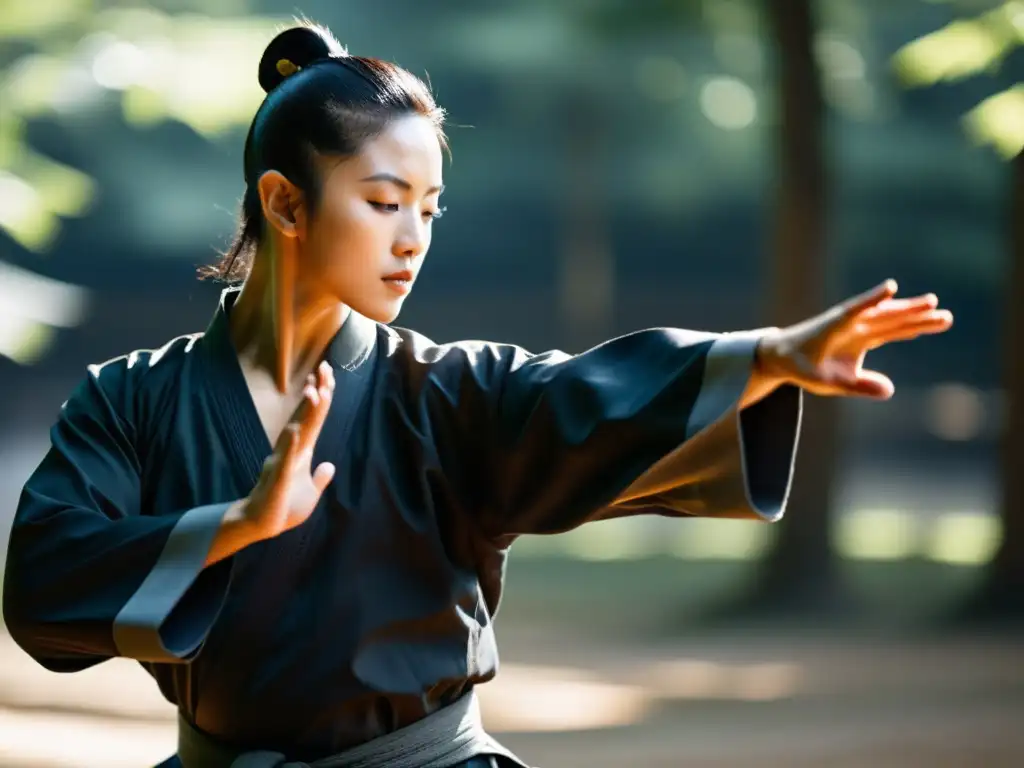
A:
(484, 359)
(142, 368)
(120, 384)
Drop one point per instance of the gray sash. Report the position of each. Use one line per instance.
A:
(443, 739)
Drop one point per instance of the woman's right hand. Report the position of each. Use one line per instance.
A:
(289, 488)
(825, 354)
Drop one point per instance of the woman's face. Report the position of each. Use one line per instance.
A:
(366, 241)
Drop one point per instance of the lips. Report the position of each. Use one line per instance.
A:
(399, 282)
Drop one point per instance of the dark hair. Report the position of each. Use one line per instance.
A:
(320, 100)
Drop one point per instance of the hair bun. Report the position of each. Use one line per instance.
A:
(295, 49)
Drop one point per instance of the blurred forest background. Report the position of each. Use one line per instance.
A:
(618, 164)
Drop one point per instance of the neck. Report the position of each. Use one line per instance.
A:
(281, 325)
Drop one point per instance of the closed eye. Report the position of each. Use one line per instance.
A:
(394, 207)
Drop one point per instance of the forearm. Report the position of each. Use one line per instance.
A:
(80, 587)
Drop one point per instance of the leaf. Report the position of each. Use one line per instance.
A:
(24, 214)
(31, 307)
(962, 48)
(191, 68)
(999, 122)
(39, 20)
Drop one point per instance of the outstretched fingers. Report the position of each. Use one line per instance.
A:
(908, 327)
(853, 307)
(890, 308)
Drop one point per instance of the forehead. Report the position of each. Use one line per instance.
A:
(408, 148)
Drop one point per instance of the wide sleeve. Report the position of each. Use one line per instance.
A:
(648, 423)
(89, 575)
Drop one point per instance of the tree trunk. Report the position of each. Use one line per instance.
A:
(1001, 597)
(799, 572)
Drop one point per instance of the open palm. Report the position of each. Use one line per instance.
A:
(289, 487)
(825, 355)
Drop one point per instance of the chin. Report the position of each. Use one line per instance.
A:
(382, 312)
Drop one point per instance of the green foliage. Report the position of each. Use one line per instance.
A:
(65, 58)
(968, 48)
(187, 67)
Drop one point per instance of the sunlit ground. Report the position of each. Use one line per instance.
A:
(600, 666)
(720, 703)
(598, 671)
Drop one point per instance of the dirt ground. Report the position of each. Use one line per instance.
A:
(569, 700)
(600, 668)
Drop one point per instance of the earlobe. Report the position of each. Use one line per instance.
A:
(279, 199)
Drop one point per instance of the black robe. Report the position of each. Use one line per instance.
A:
(379, 608)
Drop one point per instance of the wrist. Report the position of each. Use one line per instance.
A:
(236, 532)
(763, 379)
(240, 524)
(770, 358)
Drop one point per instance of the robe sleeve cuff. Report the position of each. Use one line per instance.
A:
(734, 463)
(169, 616)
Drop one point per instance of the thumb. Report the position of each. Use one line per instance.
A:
(322, 476)
(872, 384)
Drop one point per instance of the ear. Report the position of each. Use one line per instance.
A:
(281, 202)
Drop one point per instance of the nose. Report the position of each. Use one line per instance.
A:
(412, 238)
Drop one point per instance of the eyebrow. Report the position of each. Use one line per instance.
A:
(400, 182)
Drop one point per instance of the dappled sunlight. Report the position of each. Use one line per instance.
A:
(24, 214)
(959, 50)
(58, 740)
(541, 699)
(999, 121)
(190, 68)
(22, 340)
(962, 48)
(41, 19)
(199, 73)
(113, 716)
(968, 48)
(31, 306)
(729, 103)
(606, 541)
(696, 679)
(964, 539)
(615, 165)
(877, 535)
(961, 537)
(704, 539)
(118, 688)
(546, 698)
(36, 193)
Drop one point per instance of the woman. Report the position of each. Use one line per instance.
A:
(298, 521)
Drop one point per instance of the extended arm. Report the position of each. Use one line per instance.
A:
(672, 422)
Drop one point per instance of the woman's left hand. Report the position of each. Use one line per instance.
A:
(825, 354)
